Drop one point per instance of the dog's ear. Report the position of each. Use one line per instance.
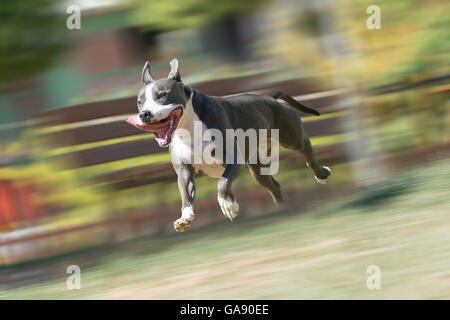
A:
(174, 71)
(146, 74)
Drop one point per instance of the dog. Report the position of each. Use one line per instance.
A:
(167, 107)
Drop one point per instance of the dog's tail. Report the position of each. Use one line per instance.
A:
(293, 102)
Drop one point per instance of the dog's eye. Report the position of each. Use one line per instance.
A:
(161, 94)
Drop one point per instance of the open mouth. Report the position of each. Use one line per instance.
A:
(162, 129)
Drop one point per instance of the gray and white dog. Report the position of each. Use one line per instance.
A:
(166, 106)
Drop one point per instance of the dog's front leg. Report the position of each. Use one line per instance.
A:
(186, 186)
(225, 197)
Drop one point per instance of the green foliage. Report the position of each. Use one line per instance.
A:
(413, 38)
(29, 38)
(174, 14)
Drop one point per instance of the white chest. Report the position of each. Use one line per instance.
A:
(188, 145)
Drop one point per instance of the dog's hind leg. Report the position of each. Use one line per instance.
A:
(321, 172)
(267, 181)
(294, 137)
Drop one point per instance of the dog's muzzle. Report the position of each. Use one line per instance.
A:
(163, 129)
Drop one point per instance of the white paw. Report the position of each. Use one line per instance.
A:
(230, 208)
(323, 181)
(187, 213)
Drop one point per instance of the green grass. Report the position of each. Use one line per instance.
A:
(321, 252)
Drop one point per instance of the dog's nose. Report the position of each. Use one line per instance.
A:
(145, 116)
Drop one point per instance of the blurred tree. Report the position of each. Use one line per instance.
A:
(29, 38)
(220, 22)
(412, 45)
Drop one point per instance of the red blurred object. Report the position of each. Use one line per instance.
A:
(17, 202)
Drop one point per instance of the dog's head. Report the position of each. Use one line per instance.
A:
(161, 104)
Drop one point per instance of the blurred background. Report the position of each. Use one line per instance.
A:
(79, 186)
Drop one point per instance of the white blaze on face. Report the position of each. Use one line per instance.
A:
(159, 111)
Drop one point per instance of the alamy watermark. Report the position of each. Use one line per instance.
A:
(73, 21)
(251, 146)
(73, 282)
(374, 20)
(374, 280)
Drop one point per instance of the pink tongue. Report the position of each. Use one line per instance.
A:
(133, 120)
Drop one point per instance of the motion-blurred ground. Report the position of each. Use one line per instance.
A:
(321, 251)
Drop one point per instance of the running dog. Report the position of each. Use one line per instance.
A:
(169, 108)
